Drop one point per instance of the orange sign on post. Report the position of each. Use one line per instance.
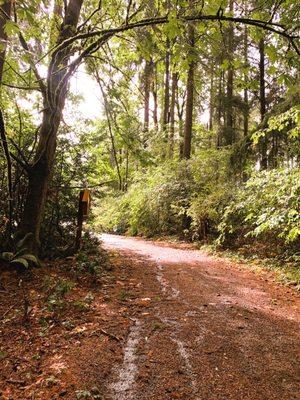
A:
(85, 200)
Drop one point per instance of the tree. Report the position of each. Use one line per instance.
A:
(54, 96)
(262, 100)
(188, 124)
(229, 127)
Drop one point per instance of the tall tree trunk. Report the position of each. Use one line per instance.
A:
(155, 101)
(54, 99)
(229, 128)
(6, 8)
(148, 74)
(4, 144)
(219, 109)
(172, 111)
(180, 112)
(6, 11)
(166, 109)
(246, 94)
(211, 98)
(262, 102)
(125, 182)
(188, 125)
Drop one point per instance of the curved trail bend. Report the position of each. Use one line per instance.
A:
(209, 329)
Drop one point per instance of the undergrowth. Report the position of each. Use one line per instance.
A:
(198, 200)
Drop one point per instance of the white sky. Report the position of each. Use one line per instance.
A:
(83, 85)
(91, 105)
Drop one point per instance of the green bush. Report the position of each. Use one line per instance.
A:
(153, 205)
(266, 206)
(176, 198)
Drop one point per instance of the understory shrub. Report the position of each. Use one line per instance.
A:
(181, 199)
(153, 205)
(176, 198)
(266, 207)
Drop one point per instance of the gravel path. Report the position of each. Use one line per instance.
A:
(207, 329)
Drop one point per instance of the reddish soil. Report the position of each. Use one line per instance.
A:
(166, 323)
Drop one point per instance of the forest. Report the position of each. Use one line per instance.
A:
(126, 124)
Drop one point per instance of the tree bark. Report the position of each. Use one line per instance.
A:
(172, 112)
(262, 102)
(229, 128)
(219, 109)
(148, 75)
(166, 109)
(188, 125)
(3, 138)
(180, 112)
(211, 105)
(6, 8)
(154, 94)
(246, 94)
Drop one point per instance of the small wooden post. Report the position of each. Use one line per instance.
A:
(83, 210)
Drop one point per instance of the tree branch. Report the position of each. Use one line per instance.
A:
(26, 167)
(274, 27)
(20, 87)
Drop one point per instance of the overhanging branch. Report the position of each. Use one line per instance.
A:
(273, 27)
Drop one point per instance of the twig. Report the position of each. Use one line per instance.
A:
(17, 381)
(8, 310)
(110, 335)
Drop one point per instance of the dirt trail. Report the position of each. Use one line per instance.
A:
(205, 329)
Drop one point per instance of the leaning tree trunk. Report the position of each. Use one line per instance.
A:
(39, 172)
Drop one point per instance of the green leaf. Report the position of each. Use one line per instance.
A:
(7, 256)
(31, 258)
(11, 28)
(20, 252)
(173, 26)
(21, 261)
(293, 234)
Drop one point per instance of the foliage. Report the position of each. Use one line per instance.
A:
(162, 200)
(266, 206)
(21, 257)
(153, 205)
(56, 292)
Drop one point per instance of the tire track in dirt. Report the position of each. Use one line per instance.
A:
(122, 386)
(174, 293)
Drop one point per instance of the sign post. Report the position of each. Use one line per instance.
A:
(83, 211)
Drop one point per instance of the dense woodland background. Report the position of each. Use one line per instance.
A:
(198, 127)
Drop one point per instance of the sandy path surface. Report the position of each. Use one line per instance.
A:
(205, 329)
